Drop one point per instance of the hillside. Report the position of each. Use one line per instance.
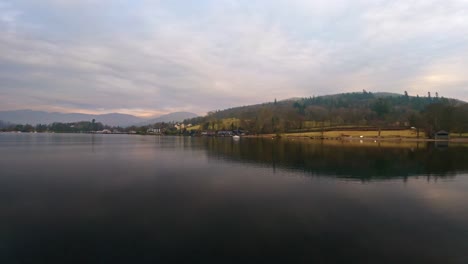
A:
(111, 119)
(348, 109)
(171, 117)
(42, 117)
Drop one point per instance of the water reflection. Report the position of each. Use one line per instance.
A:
(137, 199)
(345, 159)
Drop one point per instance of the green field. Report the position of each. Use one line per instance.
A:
(197, 127)
(407, 133)
(223, 124)
(455, 135)
(233, 123)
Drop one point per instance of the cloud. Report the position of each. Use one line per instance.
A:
(162, 56)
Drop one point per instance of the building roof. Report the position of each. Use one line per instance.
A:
(442, 132)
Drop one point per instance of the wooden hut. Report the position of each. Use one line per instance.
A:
(442, 135)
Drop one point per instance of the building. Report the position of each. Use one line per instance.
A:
(153, 131)
(442, 135)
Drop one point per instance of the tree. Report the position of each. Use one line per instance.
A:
(381, 107)
(41, 128)
(461, 119)
(300, 106)
(417, 121)
(439, 116)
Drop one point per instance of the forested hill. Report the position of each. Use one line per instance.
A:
(349, 109)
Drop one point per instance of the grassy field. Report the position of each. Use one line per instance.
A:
(408, 133)
(362, 143)
(226, 123)
(229, 123)
(197, 127)
(458, 135)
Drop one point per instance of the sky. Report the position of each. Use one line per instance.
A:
(151, 57)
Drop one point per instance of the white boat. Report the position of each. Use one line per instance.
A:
(236, 137)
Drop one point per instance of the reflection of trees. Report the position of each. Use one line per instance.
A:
(361, 162)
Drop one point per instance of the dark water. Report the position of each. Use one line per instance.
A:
(142, 199)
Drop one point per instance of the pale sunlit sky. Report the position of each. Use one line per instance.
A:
(154, 57)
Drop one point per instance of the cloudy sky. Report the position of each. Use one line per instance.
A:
(151, 57)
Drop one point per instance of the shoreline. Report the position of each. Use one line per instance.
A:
(289, 136)
(359, 139)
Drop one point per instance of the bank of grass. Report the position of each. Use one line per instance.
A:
(228, 124)
(223, 124)
(458, 135)
(412, 144)
(196, 127)
(406, 133)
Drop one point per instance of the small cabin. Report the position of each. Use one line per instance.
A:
(442, 135)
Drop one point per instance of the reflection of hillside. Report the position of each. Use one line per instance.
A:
(344, 160)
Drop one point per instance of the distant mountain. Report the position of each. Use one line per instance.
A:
(116, 119)
(41, 117)
(113, 119)
(171, 117)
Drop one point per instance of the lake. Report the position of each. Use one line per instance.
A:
(81, 198)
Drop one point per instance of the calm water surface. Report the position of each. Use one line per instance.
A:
(142, 199)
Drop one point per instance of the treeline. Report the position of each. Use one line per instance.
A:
(167, 128)
(75, 127)
(366, 109)
(350, 110)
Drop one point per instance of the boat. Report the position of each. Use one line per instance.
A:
(236, 136)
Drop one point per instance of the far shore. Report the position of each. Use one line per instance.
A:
(336, 136)
(366, 136)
